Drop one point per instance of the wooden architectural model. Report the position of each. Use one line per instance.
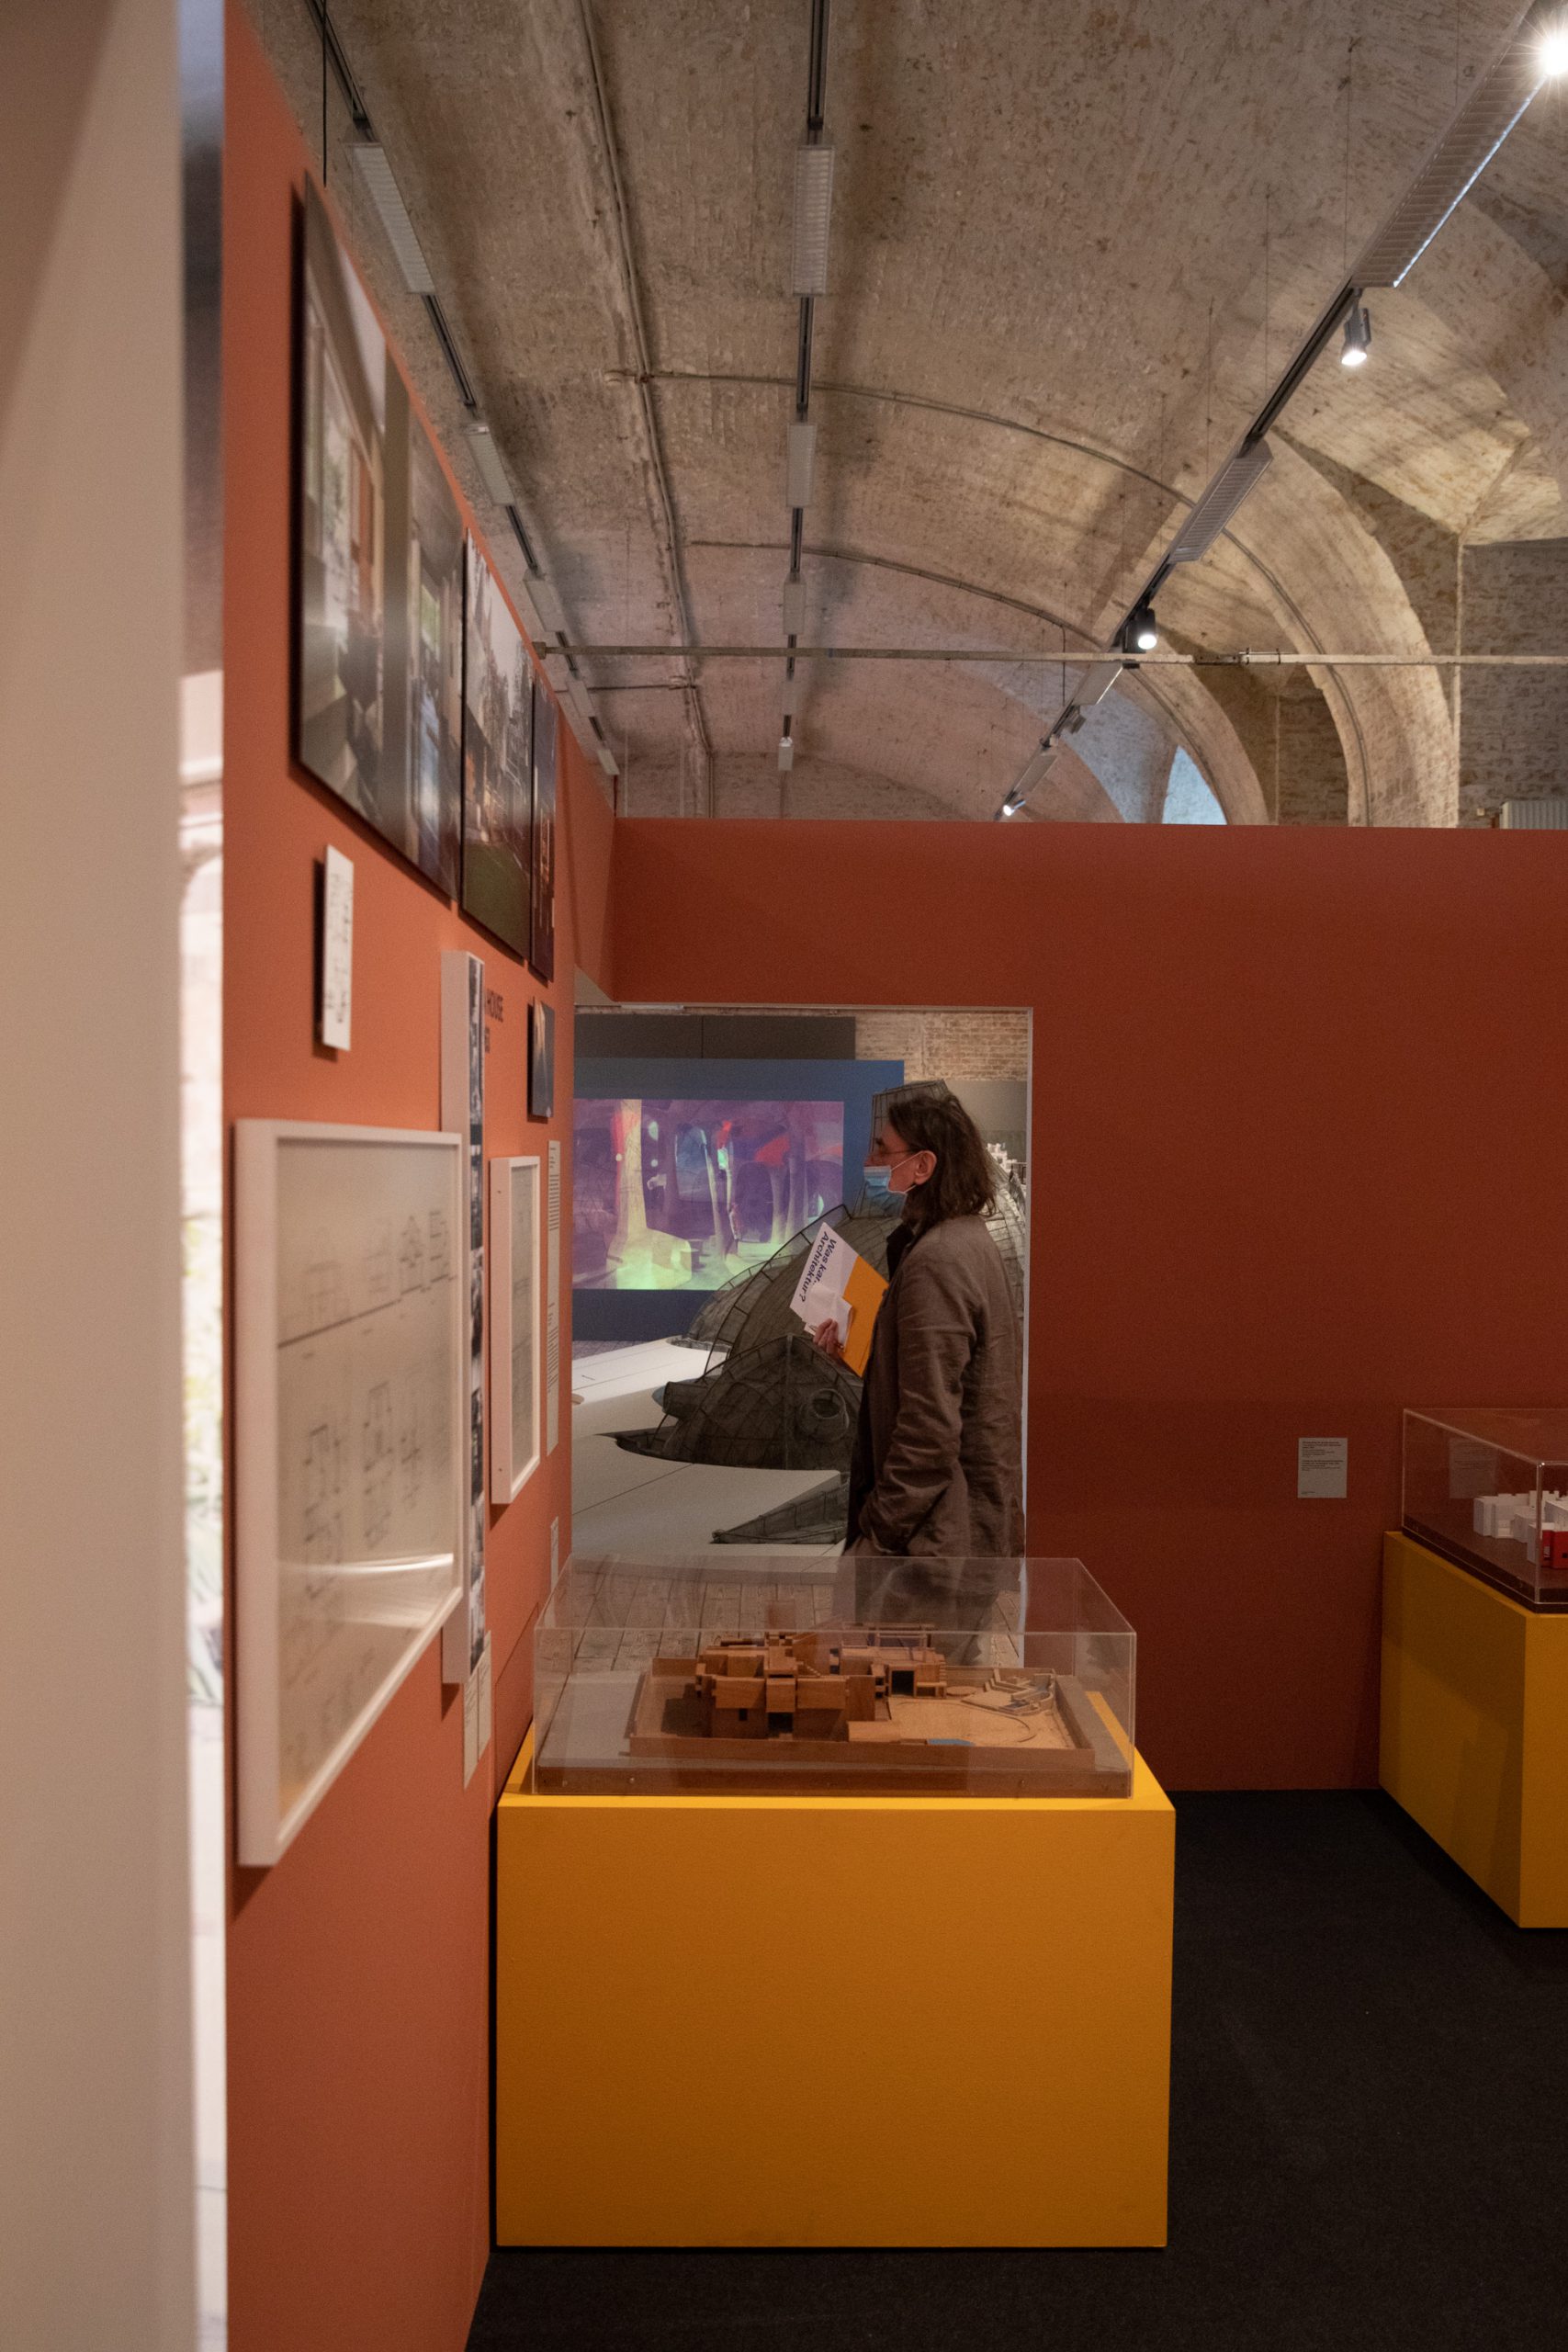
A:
(812, 1686)
(860, 1707)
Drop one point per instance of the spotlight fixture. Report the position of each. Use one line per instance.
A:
(1553, 52)
(1142, 630)
(1357, 337)
(1040, 765)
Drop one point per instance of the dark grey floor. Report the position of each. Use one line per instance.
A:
(1368, 2143)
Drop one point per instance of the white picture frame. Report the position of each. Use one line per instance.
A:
(515, 1295)
(350, 1444)
(463, 1114)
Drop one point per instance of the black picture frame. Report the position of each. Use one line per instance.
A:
(541, 1059)
(498, 764)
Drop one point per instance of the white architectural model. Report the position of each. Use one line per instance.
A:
(1510, 1518)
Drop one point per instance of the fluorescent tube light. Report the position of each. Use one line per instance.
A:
(1454, 166)
(1034, 774)
(1214, 511)
(794, 606)
(802, 464)
(813, 209)
(371, 164)
(787, 753)
(607, 758)
(1096, 683)
(546, 604)
(557, 670)
(533, 627)
(488, 458)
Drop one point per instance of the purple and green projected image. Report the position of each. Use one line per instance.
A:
(680, 1195)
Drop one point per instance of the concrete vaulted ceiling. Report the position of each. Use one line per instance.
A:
(1069, 245)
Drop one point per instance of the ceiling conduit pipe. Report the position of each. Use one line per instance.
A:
(813, 208)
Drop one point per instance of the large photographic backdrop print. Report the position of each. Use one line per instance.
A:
(685, 1195)
(497, 831)
(379, 596)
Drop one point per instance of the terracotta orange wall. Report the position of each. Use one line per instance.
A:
(358, 1967)
(1294, 1165)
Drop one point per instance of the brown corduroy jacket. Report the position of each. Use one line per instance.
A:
(938, 1461)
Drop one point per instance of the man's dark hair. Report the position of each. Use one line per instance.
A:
(931, 1118)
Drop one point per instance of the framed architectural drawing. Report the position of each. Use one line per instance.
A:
(350, 1443)
(515, 1337)
(497, 727)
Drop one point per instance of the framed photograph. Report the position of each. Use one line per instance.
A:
(541, 1059)
(351, 1444)
(498, 729)
(546, 721)
(424, 696)
(379, 586)
(514, 1335)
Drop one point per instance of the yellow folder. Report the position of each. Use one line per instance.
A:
(863, 1294)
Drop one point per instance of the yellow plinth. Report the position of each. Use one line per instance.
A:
(1475, 1733)
(832, 2021)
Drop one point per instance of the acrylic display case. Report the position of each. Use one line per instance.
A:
(832, 1677)
(1487, 1486)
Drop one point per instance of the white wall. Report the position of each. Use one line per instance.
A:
(94, 2090)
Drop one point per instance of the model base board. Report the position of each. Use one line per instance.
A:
(841, 1710)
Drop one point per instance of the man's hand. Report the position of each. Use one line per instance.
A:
(825, 1336)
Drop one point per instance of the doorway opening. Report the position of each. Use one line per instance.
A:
(711, 1143)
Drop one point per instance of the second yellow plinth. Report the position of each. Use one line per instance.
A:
(832, 2021)
(1474, 1729)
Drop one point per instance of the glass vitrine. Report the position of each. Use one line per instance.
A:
(1487, 1485)
(832, 1677)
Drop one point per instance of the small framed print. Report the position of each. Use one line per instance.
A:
(514, 1326)
(541, 1060)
